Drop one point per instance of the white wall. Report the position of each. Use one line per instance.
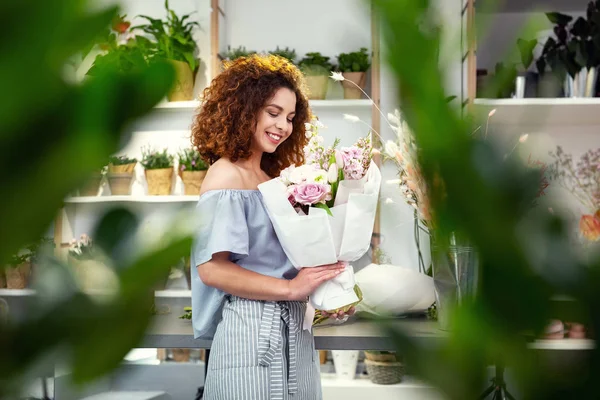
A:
(330, 27)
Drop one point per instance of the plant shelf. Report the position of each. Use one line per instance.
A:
(131, 199)
(316, 104)
(540, 114)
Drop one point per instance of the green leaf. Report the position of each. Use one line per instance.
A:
(526, 48)
(324, 207)
(559, 19)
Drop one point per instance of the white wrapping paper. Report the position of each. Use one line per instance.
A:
(318, 238)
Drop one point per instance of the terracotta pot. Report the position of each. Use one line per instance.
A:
(2, 279)
(183, 87)
(121, 169)
(192, 180)
(351, 91)
(120, 183)
(159, 181)
(317, 86)
(18, 277)
(91, 186)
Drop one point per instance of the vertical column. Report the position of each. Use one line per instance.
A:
(376, 96)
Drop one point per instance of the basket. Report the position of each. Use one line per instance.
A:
(120, 183)
(192, 180)
(18, 277)
(159, 181)
(121, 169)
(385, 373)
(385, 357)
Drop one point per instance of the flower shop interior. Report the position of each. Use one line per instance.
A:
(545, 118)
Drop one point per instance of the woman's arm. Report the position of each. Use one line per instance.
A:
(229, 277)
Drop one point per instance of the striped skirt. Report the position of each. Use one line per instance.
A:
(260, 352)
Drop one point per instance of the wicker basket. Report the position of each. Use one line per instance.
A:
(121, 169)
(385, 357)
(385, 373)
(120, 183)
(159, 181)
(192, 180)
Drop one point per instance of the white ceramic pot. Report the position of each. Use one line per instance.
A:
(345, 362)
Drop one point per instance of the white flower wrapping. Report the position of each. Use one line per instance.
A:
(318, 238)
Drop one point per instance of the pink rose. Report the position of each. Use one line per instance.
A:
(310, 193)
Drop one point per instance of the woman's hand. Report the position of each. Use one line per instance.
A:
(309, 279)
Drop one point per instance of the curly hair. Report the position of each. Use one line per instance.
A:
(227, 118)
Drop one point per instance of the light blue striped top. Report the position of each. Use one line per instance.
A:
(235, 221)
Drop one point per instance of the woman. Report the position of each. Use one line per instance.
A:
(247, 296)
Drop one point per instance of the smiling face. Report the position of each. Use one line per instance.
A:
(274, 121)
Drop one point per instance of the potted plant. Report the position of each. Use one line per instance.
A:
(288, 53)
(120, 49)
(158, 168)
(353, 67)
(573, 53)
(20, 266)
(192, 170)
(120, 174)
(91, 186)
(175, 43)
(316, 68)
(88, 267)
(237, 52)
(383, 367)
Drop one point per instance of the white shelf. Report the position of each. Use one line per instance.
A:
(363, 388)
(16, 292)
(541, 114)
(536, 6)
(131, 199)
(564, 344)
(316, 104)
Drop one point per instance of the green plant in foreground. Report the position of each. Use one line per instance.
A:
(525, 254)
(83, 125)
(356, 61)
(154, 159)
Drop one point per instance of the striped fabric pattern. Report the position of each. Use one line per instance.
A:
(260, 352)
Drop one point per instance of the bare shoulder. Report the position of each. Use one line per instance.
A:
(223, 174)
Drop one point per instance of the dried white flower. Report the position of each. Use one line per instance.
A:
(337, 76)
(523, 138)
(351, 118)
(389, 201)
(491, 114)
(391, 148)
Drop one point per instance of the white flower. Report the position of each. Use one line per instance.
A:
(393, 119)
(491, 114)
(284, 176)
(337, 76)
(389, 201)
(351, 118)
(319, 124)
(307, 126)
(307, 173)
(391, 149)
(332, 174)
(523, 138)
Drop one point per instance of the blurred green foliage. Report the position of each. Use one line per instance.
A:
(526, 255)
(54, 134)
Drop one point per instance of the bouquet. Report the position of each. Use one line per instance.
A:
(324, 211)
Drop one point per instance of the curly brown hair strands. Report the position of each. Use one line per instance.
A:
(227, 118)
